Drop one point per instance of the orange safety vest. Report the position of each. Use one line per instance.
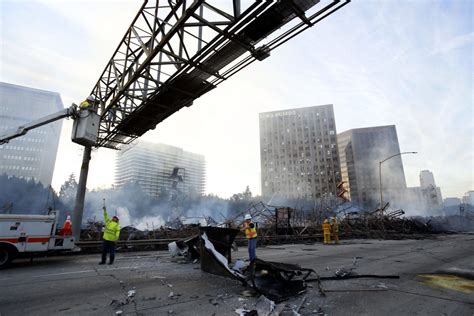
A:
(250, 232)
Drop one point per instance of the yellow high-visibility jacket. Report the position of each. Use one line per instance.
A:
(85, 104)
(112, 228)
(250, 230)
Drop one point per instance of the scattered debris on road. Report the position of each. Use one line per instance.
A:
(264, 306)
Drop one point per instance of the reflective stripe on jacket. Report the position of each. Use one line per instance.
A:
(249, 231)
(112, 229)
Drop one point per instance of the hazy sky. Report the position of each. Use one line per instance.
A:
(402, 62)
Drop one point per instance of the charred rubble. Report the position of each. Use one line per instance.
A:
(281, 224)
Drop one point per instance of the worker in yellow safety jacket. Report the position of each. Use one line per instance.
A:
(88, 104)
(250, 230)
(111, 235)
(335, 230)
(326, 231)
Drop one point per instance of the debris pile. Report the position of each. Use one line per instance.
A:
(276, 225)
(275, 281)
(374, 226)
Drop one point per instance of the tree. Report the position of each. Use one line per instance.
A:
(69, 188)
(247, 194)
(244, 196)
(26, 197)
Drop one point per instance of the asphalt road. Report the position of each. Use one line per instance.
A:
(76, 285)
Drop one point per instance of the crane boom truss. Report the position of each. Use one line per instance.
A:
(176, 51)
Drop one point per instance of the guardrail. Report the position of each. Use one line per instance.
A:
(162, 242)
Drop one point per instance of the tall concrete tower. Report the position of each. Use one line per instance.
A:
(32, 156)
(361, 150)
(298, 153)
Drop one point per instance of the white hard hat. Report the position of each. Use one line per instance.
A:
(90, 98)
(247, 216)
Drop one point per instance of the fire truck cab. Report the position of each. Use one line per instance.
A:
(30, 234)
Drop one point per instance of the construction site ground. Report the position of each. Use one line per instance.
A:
(77, 285)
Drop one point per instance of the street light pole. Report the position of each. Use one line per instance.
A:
(380, 173)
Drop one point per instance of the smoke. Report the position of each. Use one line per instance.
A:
(124, 214)
(452, 223)
(149, 223)
(19, 196)
(134, 207)
(379, 175)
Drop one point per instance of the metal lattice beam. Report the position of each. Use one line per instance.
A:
(176, 51)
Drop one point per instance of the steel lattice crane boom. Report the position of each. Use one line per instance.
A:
(176, 51)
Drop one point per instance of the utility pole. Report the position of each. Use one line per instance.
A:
(81, 193)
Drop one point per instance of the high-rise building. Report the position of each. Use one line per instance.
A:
(426, 178)
(452, 206)
(468, 198)
(161, 170)
(33, 155)
(298, 153)
(451, 201)
(430, 191)
(361, 150)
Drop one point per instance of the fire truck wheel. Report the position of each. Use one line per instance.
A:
(6, 257)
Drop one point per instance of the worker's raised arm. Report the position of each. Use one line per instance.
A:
(106, 217)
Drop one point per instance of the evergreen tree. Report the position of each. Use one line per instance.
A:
(68, 188)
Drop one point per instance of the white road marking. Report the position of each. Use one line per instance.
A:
(65, 273)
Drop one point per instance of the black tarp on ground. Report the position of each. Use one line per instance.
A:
(277, 281)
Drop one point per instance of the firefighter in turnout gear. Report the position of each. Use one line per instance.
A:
(335, 230)
(111, 235)
(250, 230)
(326, 232)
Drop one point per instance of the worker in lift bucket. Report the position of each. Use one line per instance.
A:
(111, 235)
(88, 104)
(250, 230)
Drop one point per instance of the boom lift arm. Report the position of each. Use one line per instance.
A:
(22, 130)
(84, 131)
